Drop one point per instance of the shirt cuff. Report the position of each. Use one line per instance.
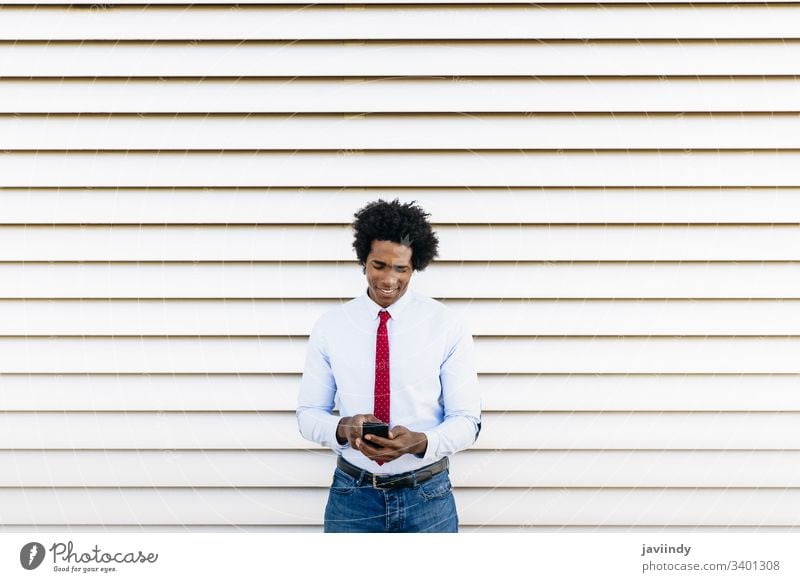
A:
(334, 441)
(433, 445)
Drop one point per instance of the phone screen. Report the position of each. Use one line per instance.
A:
(380, 429)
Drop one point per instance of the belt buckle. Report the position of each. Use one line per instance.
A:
(377, 485)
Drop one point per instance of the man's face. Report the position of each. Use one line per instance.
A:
(388, 271)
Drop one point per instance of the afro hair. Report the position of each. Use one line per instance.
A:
(406, 224)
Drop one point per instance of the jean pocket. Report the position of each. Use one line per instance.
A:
(436, 488)
(343, 484)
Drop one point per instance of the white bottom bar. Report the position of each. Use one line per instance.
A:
(262, 556)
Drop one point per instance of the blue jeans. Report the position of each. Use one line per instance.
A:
(355, 507)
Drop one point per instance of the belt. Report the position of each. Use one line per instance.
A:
(410, 479)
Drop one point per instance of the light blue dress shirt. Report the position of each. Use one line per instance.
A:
(434, 386)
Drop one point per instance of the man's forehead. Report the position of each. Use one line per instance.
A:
(382, 250)
(393, 260)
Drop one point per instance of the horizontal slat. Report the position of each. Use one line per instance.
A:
(499, 392)
(133, 528)
(351, 4)
(494, 355)
(113, 506)
(446, 280)
(166, 468)
(348, 132)
(150, 392)
(618, 507)
(398, 168)
(619, 469)
(640, 430)
(626, 317)
(150, 430)
(480, 529)
(357, 95)
(468, 469)
(336, 206)
(226, 317)
(392, 58)
(406, 22)
(403, 95)
(639, 355)
(483, 317)
(457, 243)
(492, 529)
(501, 430)
(671, 392)
(145, 355)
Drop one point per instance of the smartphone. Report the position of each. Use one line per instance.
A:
(380, 429)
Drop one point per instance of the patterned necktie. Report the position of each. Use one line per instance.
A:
(381, 409)
(382, 369)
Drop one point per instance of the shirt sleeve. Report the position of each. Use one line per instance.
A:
(317, 394)
(460, 397)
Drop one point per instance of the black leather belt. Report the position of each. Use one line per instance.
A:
(410, 479)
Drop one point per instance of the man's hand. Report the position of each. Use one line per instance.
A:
(349, 429)
(400, 442)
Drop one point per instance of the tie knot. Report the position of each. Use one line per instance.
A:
(384, 315)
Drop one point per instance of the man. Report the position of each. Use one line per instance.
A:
(394, 356)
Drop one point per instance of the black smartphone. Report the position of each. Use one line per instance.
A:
(380, 429)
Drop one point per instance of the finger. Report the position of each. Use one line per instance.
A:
(387, 455)
(397, 431)
(372, 454)
(377, 441)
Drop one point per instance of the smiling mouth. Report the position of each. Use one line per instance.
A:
(387, 291)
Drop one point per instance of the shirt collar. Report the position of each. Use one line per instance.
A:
(396, 309)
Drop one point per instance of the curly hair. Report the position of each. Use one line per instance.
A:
(406, 224)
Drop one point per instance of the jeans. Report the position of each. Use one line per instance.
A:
(358, 507)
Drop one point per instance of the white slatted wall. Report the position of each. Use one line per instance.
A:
(617, 190)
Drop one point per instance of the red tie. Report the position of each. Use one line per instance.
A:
(382, 370)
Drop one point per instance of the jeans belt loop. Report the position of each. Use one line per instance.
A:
(374, 481)
(361, 478)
